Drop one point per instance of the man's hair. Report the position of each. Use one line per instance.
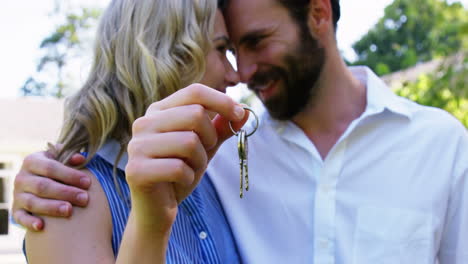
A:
(336, 12)
(222, 4)
(299, 9)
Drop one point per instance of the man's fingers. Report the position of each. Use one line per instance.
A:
(209, 98)
(40, 206)
(28, 221)
(76, 160)
(50, 189)
(40, 165)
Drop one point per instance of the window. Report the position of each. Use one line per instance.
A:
(5, 165)
(2, 191)
(4, 221)
(6, 173)
(3, 207)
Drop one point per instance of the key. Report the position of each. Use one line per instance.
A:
(246, 170)
(242, 151)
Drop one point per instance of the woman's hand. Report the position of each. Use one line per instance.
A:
(171, 147)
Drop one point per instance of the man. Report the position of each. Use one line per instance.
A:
(341, 170)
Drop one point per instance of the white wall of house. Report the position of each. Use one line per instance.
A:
(26, 125)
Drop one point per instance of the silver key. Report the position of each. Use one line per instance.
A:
(242, 148)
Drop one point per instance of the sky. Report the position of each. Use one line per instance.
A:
(24, 23)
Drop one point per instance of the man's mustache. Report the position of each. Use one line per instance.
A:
(260, 79)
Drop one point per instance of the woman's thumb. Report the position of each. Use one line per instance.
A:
(224, 131)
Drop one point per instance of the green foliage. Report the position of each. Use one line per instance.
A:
(446, 88)
(68, 32)
(63, 44)
(413, 31)
(33, 87)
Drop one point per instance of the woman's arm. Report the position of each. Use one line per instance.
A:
(168, 154)
(84, 238)
(141, 245)
(87, 236)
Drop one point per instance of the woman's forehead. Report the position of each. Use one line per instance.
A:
(220, 25)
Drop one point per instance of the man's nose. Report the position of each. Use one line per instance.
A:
(246, 66)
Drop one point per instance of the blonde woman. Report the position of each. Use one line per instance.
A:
(164, 210)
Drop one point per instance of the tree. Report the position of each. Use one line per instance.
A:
(61, 46)
(410, 32)
(446, 88)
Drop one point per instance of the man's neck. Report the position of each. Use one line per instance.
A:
(341, 99)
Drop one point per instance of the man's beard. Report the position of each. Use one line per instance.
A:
(298, 79)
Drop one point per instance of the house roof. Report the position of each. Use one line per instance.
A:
(412, 74)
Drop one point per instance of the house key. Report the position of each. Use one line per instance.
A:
(242, 149)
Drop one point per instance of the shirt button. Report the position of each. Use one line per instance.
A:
(323, 244)
(326, 188)
(203, 235)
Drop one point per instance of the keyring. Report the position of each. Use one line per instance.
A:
(256, 123)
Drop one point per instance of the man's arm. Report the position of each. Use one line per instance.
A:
(45, 186)
(454, 242)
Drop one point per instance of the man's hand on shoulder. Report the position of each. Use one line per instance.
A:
(45, 186)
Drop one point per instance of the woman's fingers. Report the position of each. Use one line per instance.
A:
(205, 96)
(180, 145)
(182, 118)
(223, 131)
(145, 173)
(174, 139)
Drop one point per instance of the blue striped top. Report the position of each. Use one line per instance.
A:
(200, 234)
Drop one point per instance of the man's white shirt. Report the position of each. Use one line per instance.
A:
(393, 189)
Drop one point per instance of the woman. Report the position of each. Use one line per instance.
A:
(146, 50)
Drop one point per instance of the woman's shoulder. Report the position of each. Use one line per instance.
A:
(83, 236)
(112, 180)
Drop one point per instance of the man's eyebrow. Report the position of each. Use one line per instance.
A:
(252, 35)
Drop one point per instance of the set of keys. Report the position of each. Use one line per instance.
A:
(242, 149)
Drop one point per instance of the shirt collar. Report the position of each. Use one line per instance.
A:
(109, 152)
(379, 95)
(379, 98)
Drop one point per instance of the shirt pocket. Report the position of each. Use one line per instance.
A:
(392, 236)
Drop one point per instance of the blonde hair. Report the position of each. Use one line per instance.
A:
(145, 50)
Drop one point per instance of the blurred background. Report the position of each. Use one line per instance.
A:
(419, 47)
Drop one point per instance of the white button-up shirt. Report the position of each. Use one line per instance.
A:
(393, 189)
